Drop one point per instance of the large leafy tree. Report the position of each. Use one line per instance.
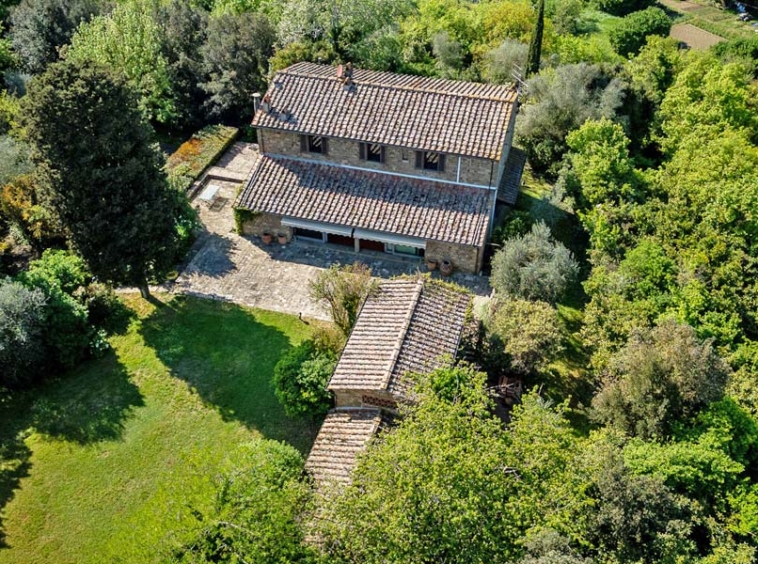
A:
(451, 485)
(600, 174)
(101, 172)
(661, 377)
(42, 27)
(236, 57)
(528, 333)
(182, 28)
(129, 42)
(707, 94)
(254, 517)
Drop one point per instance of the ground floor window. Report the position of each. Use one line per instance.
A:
(309, 234)
(405, 250)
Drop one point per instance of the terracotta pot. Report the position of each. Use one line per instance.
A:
(446, 268)
(282, 238)
(266, 237)
(431, 264)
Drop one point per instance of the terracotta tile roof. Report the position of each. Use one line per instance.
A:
(510, 184)
(344, 433)
(367, 200)
(406, 325)
(431, 114)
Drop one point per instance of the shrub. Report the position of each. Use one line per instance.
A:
(515, 224)
(528, 332)
(20, 204)
(198, 153)
(533, 267)
(300, 380)
(68, 333)
(343, 289)
(22, 325)
(631, 34)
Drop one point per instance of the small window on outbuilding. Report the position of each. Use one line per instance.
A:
(314, 144)
(428, 160)
(371, 152)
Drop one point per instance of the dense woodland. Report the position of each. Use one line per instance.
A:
(626, 289)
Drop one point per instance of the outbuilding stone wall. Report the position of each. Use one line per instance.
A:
(464, 257)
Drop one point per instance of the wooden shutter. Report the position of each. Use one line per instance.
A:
(441, 165)
(324, 146)
(384, 154)
(303, 143)
(419, 159)
(362, 151)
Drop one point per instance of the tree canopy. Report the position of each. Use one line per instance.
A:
(533, 266)
(100, 172)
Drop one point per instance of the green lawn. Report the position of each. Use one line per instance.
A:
(102, 465)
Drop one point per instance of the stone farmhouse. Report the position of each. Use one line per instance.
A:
(384, 162)
(409, 325)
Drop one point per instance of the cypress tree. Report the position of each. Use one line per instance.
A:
(101, 173)
(535, 47)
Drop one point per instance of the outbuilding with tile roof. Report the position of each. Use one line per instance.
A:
(406, 326)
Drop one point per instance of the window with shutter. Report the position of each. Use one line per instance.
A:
(315, 144)
(372, 152)
(432, 161)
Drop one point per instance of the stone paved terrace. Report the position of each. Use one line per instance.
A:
(226, 266)
(236, 163)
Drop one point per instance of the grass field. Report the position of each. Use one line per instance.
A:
(103, 464)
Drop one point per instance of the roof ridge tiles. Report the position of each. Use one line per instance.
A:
(403, 332)
(471, 95)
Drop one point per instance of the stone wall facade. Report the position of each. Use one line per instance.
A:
(464, 257)
(266, 222)
(481, 172)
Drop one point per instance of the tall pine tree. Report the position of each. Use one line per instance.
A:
(535, 46)
(101, 172)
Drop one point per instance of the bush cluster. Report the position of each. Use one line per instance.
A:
(630, 36)
(52, 317)
(301, 376)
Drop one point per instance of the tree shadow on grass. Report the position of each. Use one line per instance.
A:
(89, 404)
(15, 456)
(86, 405)
(227, 356)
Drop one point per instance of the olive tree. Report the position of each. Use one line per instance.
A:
(533, 266)
(22, 325)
